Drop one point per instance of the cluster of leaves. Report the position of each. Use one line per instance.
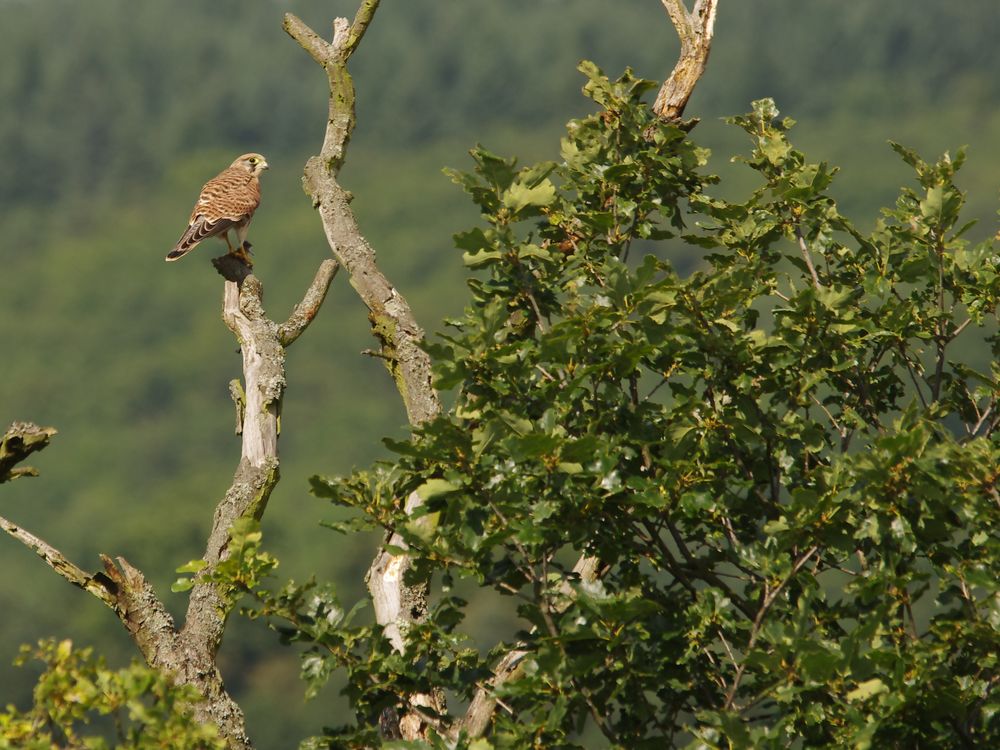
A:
(781, 488)
(142, 708)
(241, 572)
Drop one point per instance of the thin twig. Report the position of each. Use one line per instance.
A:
(657, 387)
(770, 597)
(913, 377)
(538, 312)
(836, 425)
(699, 570)
(983, 417)
(961, 327)
(807, 257)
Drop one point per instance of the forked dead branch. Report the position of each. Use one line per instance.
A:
(189, 652)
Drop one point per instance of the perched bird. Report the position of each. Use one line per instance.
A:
(227, 202)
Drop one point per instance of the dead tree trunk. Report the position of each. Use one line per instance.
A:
(397, 603)
(188, 653)
(695, 29)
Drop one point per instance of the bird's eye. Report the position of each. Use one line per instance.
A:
(252, 160)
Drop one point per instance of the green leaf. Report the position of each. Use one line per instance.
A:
(436, 487)
(482, 258)
(867, 689)
(519, 196)
(775, 148)
(192, 566)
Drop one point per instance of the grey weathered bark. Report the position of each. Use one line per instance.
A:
(396, 603)
(189, 653)
(392, 321)
(20, 441)
(695, 30)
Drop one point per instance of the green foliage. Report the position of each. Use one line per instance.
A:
(787, 479)
(245, 567)
(145, 709)
(151, 338)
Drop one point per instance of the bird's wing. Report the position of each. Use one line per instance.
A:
(201, 228)
(233, 194)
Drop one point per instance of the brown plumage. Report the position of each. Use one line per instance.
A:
(226, 203)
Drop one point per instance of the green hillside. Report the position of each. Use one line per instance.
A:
(114, 113)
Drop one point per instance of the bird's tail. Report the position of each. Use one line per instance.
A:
(179, 252)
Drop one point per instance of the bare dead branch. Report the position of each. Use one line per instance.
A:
(20, 441)
(124, 589)
(262, 345)
(681, 20)
(318, 49)
(94, 584)
(361, 20)
(695, 30)
(306, 310)
(263, 353)
(393, 323)
(189, 654)
(397, 604)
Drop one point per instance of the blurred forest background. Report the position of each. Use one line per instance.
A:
(113, 114)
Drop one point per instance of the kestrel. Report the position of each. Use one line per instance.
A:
(227, 202)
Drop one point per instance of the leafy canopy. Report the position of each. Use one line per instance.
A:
(783, 472)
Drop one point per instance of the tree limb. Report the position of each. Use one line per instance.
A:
(695, 30)
(189, 653)
(20, 441)
(393, 323)
(397, 604)
(306, 310)
(56, 560)
(264, 385)
(310, 41)
(124, 589)
(769, 598)
(256, 475)
(361, 20)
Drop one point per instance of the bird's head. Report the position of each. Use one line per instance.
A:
(252, 163)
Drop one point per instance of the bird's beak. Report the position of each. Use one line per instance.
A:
(264, 165)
